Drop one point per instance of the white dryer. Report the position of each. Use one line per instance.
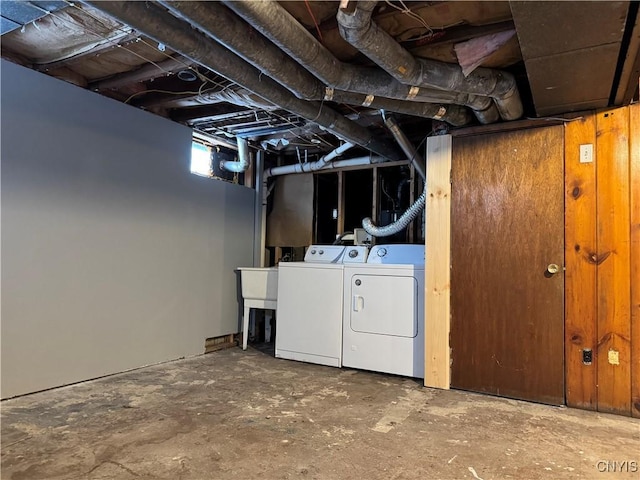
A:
(310, 293)
(383, 319)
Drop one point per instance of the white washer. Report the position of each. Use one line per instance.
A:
(310, 293)
(383, 319)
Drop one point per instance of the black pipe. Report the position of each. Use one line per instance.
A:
(453, 114)
(163, 27)
(407, 147)
(225, 27)
(357, 28)
(274, 22)
(401, 185)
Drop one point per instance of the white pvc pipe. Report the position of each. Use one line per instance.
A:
(260, 213)
(243, 158)
(309, 167)
(353, 162)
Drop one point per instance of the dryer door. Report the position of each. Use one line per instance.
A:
(384, 304)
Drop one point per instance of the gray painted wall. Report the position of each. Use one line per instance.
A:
(114, 256)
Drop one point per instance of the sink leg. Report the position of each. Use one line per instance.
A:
(245, 327)
(267, 325)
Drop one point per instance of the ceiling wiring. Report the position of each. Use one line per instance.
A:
(304, 139)
(115, 42)
(170, 92)
(314, 135)
(315, 21)
(407, 11)
(143, 41)
(434, 33)
(384, 190)
(206, 80)
(349, 107)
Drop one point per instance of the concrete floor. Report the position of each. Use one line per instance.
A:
(247, 415)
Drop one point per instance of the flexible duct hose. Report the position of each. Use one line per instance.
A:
(393, 228)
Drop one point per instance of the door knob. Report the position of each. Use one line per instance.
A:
(552, 268)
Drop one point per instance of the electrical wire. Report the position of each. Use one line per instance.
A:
(351, 108)
(229, 129)
(431, 34)
(155, 48)
(384, 190)
(555, 119)
(407, 11)
(204, 79)
(315, 22)
(314, 135)
(115, 42)
(430, 29)
(140, 39)
(338, 241)
(170, 92)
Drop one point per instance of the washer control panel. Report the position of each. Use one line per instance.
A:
(356, 254)
(336, 254)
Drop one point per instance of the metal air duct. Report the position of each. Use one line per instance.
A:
(407, 217)
(412, 212)
(225, 27)
(158, 24)
(357, 28)
(274, 22)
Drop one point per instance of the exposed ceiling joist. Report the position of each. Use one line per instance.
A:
(209, 113)
(147, 72)
(577, 55)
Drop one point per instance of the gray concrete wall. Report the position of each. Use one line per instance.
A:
(114, 255)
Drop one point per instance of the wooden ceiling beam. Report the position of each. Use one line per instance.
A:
(73, 59)
(209, 113)
(146, 72)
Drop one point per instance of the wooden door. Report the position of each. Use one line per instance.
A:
(507, 226)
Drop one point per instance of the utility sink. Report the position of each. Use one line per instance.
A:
(259, 283)
(259, 290)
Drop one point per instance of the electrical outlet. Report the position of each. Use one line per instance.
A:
(587, 356)
(586, 153)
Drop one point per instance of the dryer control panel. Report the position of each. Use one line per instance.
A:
(399, 254)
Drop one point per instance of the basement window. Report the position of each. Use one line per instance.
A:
(200, 159)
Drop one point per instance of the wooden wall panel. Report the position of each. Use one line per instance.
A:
(290, 223)
(602, 257)
(580, 252)
(613, 274)
(634, 171)
(437, 370)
